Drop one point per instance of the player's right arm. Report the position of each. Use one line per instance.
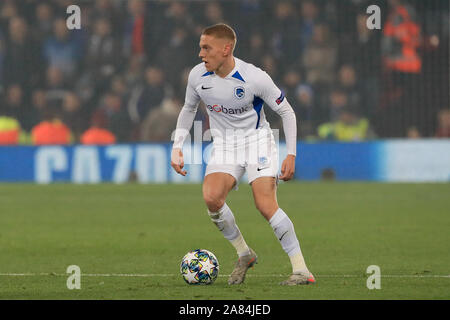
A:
(184, 123)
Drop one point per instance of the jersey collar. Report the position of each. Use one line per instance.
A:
(235, 73)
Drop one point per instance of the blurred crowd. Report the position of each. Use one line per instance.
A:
(122, 76)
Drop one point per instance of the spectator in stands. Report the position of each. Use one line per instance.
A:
(9, 127)
(97, 134)
(291, 80)
(9, 131)
(364, 53)
(51, 130)
(347, 82)
(109, 10)
(8, 10)
(2, 58)
(320, 56)
(251, 10)
(305, 110)
(213, 13)
(269, 64)
(338, 101)
(62, 50)
(42, 27)
(181, 82)
(119, 86)
(349, 127)
(177, 16)
(284, 33)
(248, 28)
(22, 64)
(165, 34)
(112, 115)
(133, 74)
(102, 56)
(309, 19)
(15, 105)
(413, 133)
(401, 59)
(401, 39)
(304, 101)
(257, 46)
(159, 123)
(169, 57)
(135, 28)
(443, 129)
(38, 105)
(148, 96)
(56, 85)
(73, 114)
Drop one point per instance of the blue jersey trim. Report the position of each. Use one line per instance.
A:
(207, 73)
(238, 76)
(257, 106)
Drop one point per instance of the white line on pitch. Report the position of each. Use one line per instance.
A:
(225, 275)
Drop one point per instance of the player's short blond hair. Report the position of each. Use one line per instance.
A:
(221, 31)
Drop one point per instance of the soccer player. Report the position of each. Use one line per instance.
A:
(234, 93)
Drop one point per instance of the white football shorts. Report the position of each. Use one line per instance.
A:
(258, 159)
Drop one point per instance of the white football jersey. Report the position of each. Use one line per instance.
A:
(234, 103)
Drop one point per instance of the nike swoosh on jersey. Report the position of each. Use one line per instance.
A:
(206, 88)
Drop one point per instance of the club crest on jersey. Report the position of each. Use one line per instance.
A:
(262, 160)
(239, 92)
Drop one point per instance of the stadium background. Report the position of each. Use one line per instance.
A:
(130, 59)
(121, 78)
(125, 72)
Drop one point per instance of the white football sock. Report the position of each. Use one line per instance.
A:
(240, 245)
(284, 230)
(224, 220)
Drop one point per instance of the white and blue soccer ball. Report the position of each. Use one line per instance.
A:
(199, 266)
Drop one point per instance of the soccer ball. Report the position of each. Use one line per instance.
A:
(199, 266)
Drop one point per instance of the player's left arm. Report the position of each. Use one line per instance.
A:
(290, 132)
(276, 100)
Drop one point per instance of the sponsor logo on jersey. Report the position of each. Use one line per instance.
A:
(239, 92)
(225, 110)
(280, 98)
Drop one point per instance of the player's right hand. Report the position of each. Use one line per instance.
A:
(177, 161)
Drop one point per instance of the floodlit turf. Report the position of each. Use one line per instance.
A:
(128, 241)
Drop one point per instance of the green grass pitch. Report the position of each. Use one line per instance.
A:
(128, 241)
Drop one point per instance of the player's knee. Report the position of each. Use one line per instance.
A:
(266, 208)
(214, 205)
(213, 201)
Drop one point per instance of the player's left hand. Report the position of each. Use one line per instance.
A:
(288, 168)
